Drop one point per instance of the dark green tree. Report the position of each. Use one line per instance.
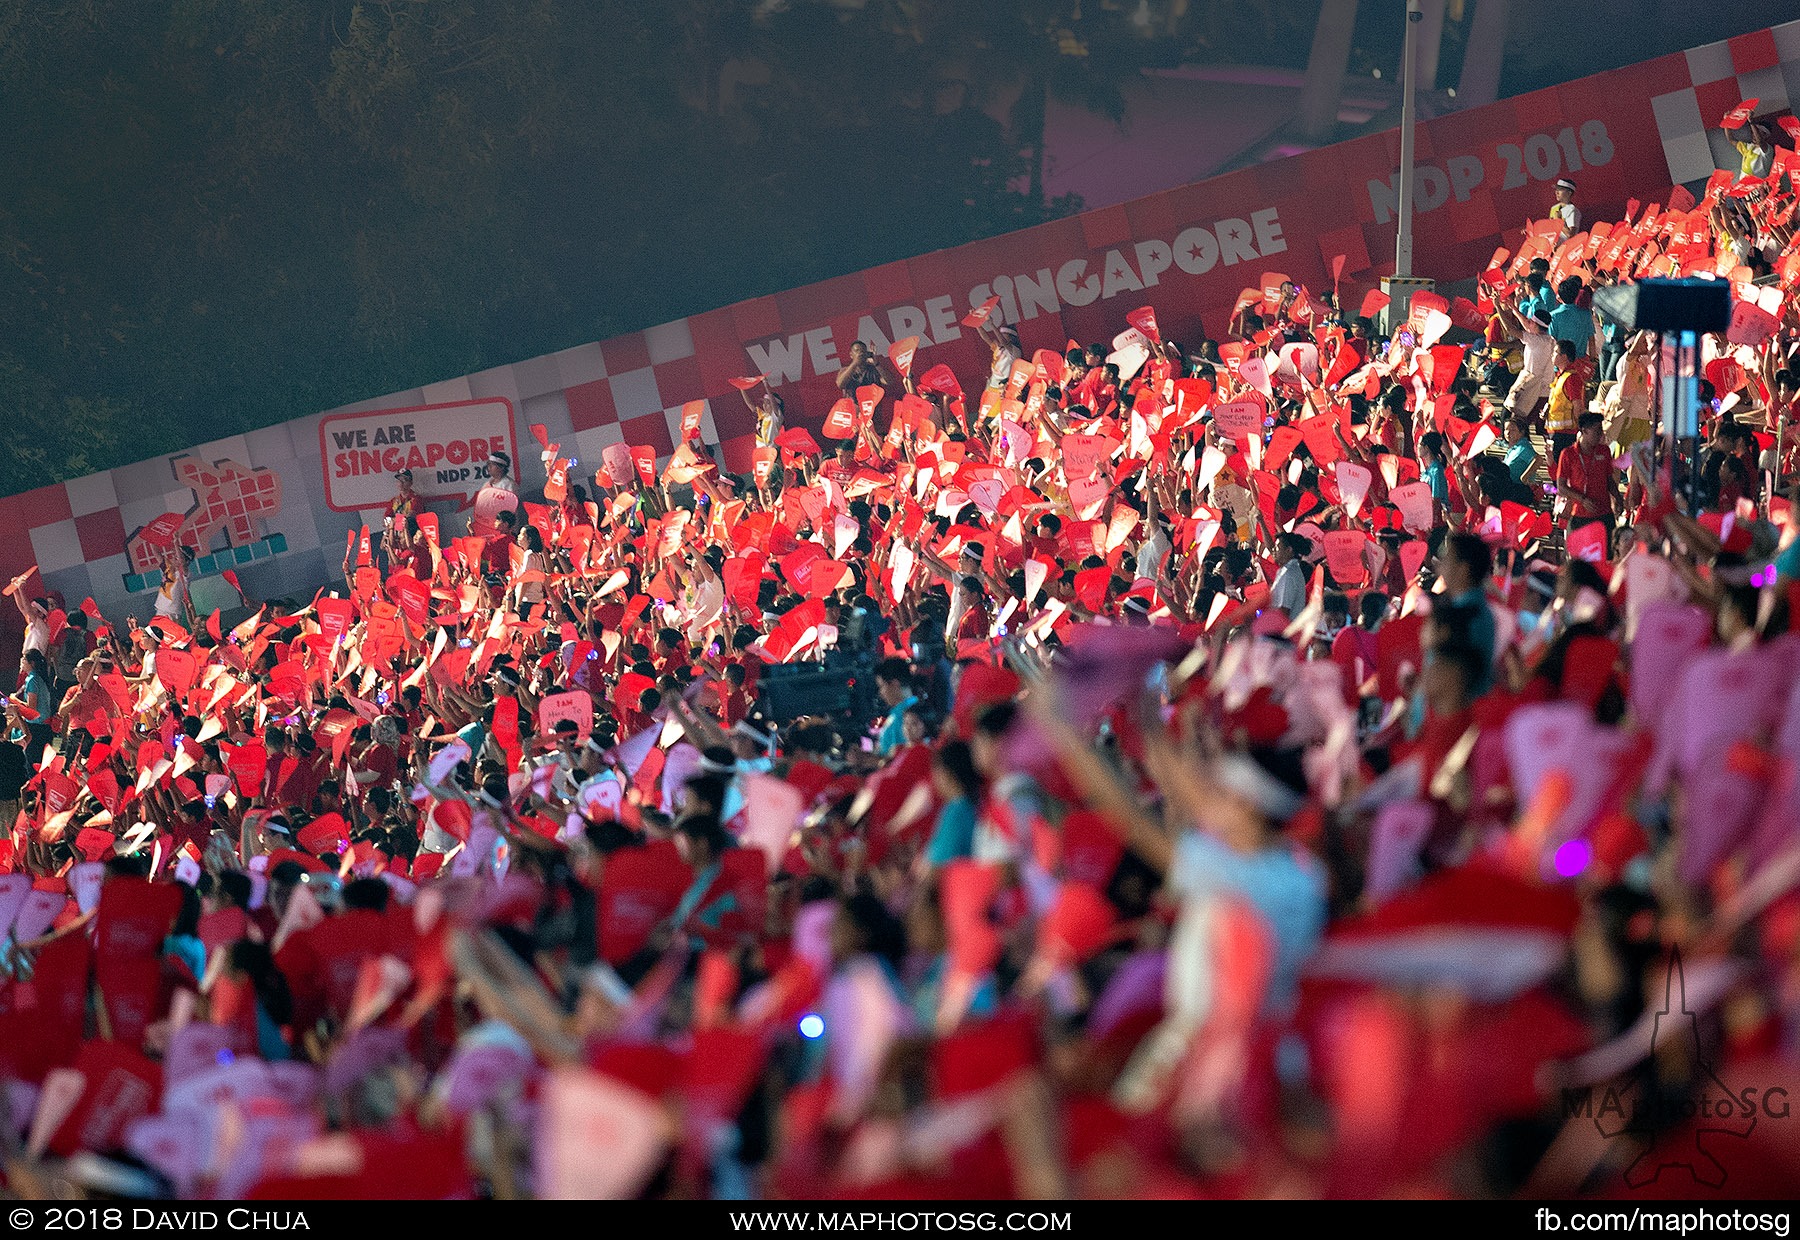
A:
(219, 214)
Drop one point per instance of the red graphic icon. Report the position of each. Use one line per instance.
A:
(228, 496)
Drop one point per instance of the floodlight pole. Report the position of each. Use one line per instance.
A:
(1409, 70)
(1678, 358)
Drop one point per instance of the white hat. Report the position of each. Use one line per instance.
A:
(1565, 183)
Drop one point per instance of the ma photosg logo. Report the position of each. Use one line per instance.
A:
(1689, 1127)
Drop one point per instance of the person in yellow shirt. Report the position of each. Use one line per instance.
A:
(1565, 212)
(1568, 397)
(1756, 152)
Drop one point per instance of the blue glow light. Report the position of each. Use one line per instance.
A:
(812, 1026)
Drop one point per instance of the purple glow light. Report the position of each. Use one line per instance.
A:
(1573, 857)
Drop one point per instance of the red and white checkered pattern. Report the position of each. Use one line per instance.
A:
(1763, 65)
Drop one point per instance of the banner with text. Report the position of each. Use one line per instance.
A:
(445, 446)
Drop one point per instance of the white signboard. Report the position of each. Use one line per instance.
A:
(445, 446)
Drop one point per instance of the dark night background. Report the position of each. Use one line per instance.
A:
(219, 214)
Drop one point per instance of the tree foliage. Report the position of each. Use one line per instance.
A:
(219, 214)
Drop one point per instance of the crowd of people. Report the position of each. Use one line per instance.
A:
(1315, 762)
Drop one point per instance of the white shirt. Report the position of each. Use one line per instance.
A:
(170, 595)
(503, 483)
(1150, 555)
(533, 591)
(1570, 215)
(1539, 349)
(1002, 368)
(37, 630)
(1289, 590)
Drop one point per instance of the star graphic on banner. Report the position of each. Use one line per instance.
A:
(1193, 254)
(1237, 232)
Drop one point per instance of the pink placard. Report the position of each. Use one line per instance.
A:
(575, 704)
(1343, 556)
(1239, 418)
(1668, 635)
(1414, 501)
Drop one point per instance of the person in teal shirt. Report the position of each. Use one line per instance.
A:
(1787, 563)
(893, 682)
(959, 786)
(1431, 461)
(1520, 455)
(183, 941)
(1464, 563)
(1540, 299)
(1571, 321)
(34, 694)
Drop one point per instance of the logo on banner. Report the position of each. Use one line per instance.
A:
(229, 498)
(445, 446)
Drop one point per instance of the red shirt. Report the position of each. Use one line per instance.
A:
(496, 557)
(1354, 651)
(752, 672)
(1087, 391)
(1591, 474)
(974, 625)
(734, 707)
(379, 760)
(417, 559)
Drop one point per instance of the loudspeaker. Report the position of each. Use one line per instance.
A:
(1668, 305)
(819, 691)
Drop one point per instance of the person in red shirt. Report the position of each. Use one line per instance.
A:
(974, 624)
(1106, 393)
(1075, 369)
(734, 703)
(321, 964)
(842, 467)
(1354, 649)
(636, 716)
(411, 550)
(496, 556)
(289, 779)
(376, 762)
(1584, 475)
(671, 650)
(1734, 484)
(1046, 542)
(1356, 344)
(1087, 391)
(1387, 420)
(741, 641)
